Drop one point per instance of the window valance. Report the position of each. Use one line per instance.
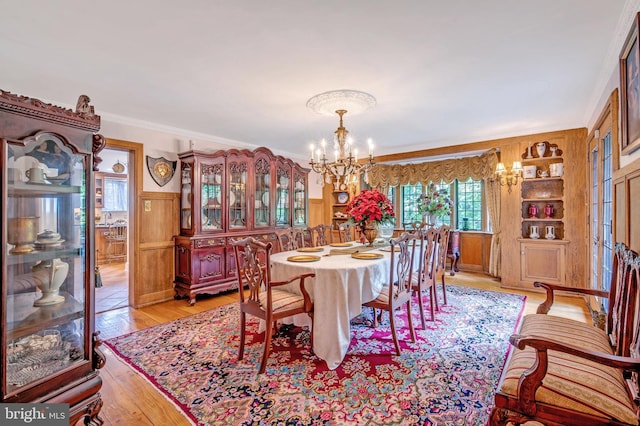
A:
(478, 167)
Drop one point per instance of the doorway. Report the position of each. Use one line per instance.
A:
(113, 188)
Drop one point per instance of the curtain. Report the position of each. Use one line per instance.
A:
(481, 167)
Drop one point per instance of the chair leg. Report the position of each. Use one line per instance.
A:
(444, 291)
(267, 346)
(243, 320)
(433, 297)
(311, 334)
(411, 329)
(393, 333)
(421, 306)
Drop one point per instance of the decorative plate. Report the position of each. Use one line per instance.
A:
(367, 256)
(343, 197)
(310, 249)
(303, 258)
(341, 244)
(118, 167)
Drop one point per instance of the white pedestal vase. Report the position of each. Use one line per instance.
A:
(51, 274)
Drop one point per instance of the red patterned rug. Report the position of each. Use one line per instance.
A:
(447, 377)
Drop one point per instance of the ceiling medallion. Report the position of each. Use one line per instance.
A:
(328, 103)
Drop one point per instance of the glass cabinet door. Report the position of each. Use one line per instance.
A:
(238, 194)
(211, 190)
(283, 201)
(262, 212)
(186, 201)
(299, 200)
(45, 260)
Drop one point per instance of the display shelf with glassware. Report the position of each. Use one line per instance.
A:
(542, 214)
(49, 348)
(226, 195)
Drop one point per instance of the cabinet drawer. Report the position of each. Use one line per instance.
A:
(209, 242)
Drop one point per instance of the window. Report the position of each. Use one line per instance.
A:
(468, 209)
(408, 203)
(115, 194)
(468, 204)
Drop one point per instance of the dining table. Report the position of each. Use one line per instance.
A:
(345, 278)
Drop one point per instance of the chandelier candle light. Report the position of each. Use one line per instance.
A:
(345, 167)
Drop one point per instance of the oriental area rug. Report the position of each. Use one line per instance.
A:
(447, 377)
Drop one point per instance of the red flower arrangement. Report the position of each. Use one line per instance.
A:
(370, 205)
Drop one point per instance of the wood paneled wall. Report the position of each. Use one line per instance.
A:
(627, 205)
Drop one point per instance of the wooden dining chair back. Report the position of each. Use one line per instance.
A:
(321, 234)
(397, 291)
(263, 298)
(287, 240)
(424, 279)
(441, 265)
(414, 226)
(346, 231)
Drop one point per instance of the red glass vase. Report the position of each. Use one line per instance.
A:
(548, 211)
(533, 211)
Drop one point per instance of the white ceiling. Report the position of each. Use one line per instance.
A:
(443, 73)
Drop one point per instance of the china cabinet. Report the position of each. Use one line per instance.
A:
(49, 348)
(228, 195)
(542, 243)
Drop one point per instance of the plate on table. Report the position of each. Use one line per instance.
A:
(341, 244)
(387, 248)
(303, 258)
(310, 249)
(367, 256)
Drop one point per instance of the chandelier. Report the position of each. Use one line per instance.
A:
(345, 169)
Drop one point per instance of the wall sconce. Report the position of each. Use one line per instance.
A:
(509, 177)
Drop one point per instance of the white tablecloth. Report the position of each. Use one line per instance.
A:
(341, 285)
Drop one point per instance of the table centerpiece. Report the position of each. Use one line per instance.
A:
(368, 210)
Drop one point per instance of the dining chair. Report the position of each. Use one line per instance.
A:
(397, 291)
(263, 298)
(319, 234)
(346, 231)
(425, 277)
(287, 239)
(441, 264)
(414, 226)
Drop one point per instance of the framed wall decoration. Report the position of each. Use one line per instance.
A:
(630, 90)
(161, 169)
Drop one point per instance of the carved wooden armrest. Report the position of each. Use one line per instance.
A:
(531, 379)
(308, 305)
(545, 306)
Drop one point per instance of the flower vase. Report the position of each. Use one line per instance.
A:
(369, 230)
(429, 219)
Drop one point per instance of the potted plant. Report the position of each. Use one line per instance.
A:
(368, 210)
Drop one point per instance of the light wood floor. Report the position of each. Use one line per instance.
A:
(129, 399)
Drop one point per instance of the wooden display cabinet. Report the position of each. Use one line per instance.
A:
(49, 348)
(542, 243)
(228, 195)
